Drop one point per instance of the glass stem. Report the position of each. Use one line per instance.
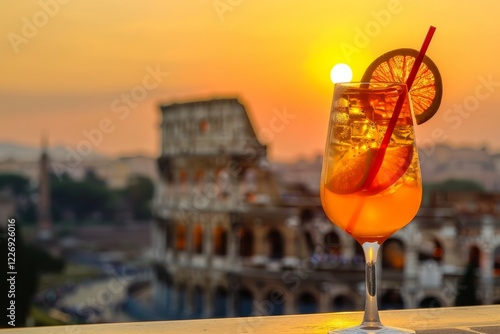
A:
(371, 318)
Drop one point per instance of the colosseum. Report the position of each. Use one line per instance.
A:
(231, 239)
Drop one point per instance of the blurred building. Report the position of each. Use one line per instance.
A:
(117, 172)
(232, 238)
(442, 162)
(303, 172)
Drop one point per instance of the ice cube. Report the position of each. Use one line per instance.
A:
(363, 129)
(340, 112)
(403, 134)
(364, 134)
(358, 108)
(341, 133)
(356, 113)
(342, 103)
(340, 117)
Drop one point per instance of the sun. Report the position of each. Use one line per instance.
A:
(341, 73)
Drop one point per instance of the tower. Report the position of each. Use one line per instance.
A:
(44, 224)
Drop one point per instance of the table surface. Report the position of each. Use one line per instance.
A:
(477, 319)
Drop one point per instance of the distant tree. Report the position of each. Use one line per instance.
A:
(82, 198)
(116, 205)
(139, 193)
(21, 190)
(450, 185)
(19, 185)
(91, 176)
(459, 185)
(31, 262)
(58, 177)
(28, 213)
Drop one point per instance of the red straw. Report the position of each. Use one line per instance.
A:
(379, 158)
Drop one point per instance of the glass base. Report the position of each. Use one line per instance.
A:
(367, 329)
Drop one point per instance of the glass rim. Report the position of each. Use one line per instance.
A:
(386, 83)
(373, 86)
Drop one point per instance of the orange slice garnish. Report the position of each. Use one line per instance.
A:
(349, 174)
(427, 89)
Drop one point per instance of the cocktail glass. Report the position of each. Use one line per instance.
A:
(371, 186)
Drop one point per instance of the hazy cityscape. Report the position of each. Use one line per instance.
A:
(213, 228)
(162, 161)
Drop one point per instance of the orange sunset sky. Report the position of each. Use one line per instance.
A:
(66, 65)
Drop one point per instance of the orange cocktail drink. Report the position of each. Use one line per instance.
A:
(370, 205)
(370, 182)
(397, 209)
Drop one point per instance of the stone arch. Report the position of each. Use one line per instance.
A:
(475, 254)
(223, 181)
(332, 243)
(343, 302)
(197, 301)
(220, 240)
(430, 302)
(250, 184)
(180, 237)
(276, 301)
(220, 302)
(276, 244)
(468, 284)
(310, 246)
(496, 261)
(431, 248)
(306, 303)
(169, 236)
(181, 300)
(244, 302)
(393, 254)
(197, 239)
(391, 300)
(165, 294)
(203, 126)
(306, 215)
(183, 179)
(247, 242)
(199, 178)
(468, 250)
